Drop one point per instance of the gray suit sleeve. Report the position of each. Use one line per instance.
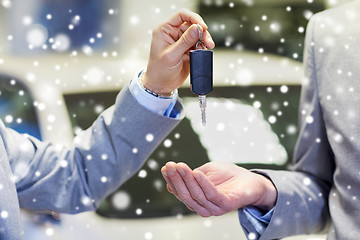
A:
(301, 205)
(100, 160)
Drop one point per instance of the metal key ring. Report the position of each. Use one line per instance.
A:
(200, 39)
(198, 43)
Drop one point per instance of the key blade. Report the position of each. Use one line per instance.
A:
(202, 103)
(203, 117)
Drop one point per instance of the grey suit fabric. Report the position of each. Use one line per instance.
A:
(324, 186)
(35, 175)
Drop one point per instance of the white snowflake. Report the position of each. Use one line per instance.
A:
(142, 173)
(4, 214)
(49, 231)
(207, 223)
(251, 236)
(152, 164)
(272, 119)
(138, 211)
(37, 35)
(167, 143)
(121, 200)
(148, 236)
(306, 181)
(103, 179)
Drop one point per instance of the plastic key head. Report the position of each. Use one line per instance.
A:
(201, 68)
(201, 71)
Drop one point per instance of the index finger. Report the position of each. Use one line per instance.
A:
(186, 15)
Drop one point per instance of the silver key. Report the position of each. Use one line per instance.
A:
(202, 103)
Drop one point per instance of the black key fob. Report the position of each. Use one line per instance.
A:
(201, 71)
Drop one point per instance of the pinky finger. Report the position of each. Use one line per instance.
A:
(188, 206)
(185, 203)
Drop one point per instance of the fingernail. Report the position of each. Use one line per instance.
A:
(194, 32)
(164, 173)
(182, 172)
(170, 171)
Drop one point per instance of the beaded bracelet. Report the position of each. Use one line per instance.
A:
(150, 91)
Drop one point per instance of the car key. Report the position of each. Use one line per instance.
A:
(201, 74)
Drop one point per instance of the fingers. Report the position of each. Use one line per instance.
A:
(170, 186)
(186, 15)
(168, 65)
(197, 192)
(182, 192)
(187, 40)
(218, 198)
(206, 37)
(183, 29)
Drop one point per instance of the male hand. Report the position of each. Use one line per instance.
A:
(217, 188)
(168, 64)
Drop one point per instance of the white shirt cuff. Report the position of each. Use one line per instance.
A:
(160, 105)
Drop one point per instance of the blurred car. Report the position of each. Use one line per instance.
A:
(252, 112)
(54, 98)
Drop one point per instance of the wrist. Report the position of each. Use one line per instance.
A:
(268, 197)
(156, 91)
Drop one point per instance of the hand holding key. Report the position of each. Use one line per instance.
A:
(168, 65)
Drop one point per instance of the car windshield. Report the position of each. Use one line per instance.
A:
(145, 194)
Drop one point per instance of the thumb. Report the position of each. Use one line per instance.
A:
(187, 40)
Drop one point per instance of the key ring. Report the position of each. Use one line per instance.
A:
(200, 39)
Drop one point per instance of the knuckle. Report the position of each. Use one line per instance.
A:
(183, 196)
(211, 197)
(198, 197)
(156, 31)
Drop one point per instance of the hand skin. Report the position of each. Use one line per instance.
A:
(217, 188)
(168, 64)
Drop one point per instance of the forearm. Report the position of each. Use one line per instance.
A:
(101, 159)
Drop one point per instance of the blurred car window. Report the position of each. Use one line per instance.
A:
(276, 27)
(43, 27)
(17, 109)
(145, 194)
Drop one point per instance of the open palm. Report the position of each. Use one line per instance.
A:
(214, 188)
(233, 186)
